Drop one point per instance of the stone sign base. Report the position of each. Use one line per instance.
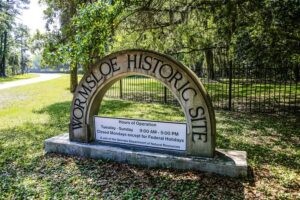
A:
(226, 162)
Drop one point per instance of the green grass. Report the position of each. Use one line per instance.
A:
(260, 95)
(240, 87)
(17, 77)
(32, 113)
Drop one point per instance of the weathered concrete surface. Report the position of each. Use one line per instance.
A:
(226, 162)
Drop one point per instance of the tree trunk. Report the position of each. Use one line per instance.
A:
(1, 52)
(297, 73)
(22, 56)
(13, 70)
(3, 59)
(73, 77)
(199, 68)
(209, 57)
(22, 62)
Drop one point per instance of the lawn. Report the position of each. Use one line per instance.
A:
(32, 113)
(250, 96)
(17, 77)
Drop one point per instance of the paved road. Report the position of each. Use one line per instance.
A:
(40, 78)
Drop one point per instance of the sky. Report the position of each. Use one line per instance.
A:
(33, 17)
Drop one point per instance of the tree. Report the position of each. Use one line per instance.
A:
(184, 29)
(22, 39)
(58, 39)
(13, 62)
(193, 31)
(9, 9)
(250, 30)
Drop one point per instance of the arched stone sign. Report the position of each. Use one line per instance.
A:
(184, 84)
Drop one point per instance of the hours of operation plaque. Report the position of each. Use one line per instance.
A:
(165, 135)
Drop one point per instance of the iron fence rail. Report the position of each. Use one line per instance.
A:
(241, 87)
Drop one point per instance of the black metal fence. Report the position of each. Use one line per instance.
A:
(236, 87)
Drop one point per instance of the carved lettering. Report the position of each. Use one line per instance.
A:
(181, 87)
(200, 133)
(147, 65)
(157, 63)
(105, 68)
(96, 79)
(78, 113)
(131, 61)
(177, 77)
(76, 124)
(180, 80)
(79, 103)
(91, 82)
(198, 116)
(86, 91)
(166, 67)
(185, 90)
(113, 63)
(140, 62)
(199, 110)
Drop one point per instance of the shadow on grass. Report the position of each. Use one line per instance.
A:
(25, 172)
(59, 114)
(134, 182)
(267, 139)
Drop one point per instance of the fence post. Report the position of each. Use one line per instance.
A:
(121, 89)
(230, 85)
(165, 95)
